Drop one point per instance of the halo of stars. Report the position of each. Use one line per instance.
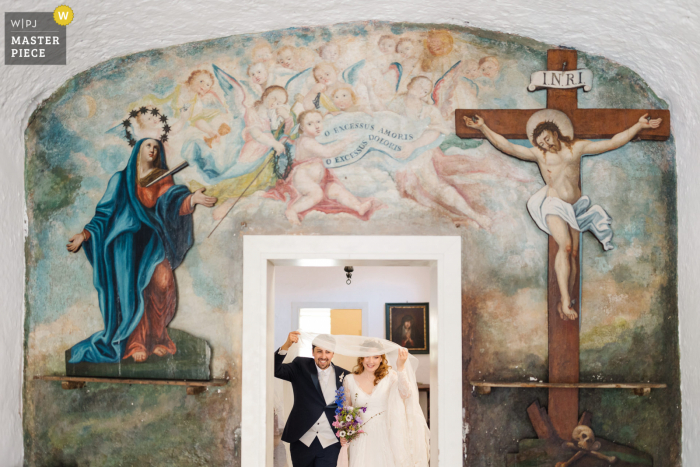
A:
(126, 123)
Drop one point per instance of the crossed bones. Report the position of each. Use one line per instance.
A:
(587, 446)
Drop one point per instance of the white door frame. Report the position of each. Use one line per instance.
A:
(261, 253)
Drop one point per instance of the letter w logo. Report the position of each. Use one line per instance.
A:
(62, 15)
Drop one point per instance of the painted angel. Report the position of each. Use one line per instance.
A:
(313, 187)
(197, 100)
(261, 128)
(432, 179)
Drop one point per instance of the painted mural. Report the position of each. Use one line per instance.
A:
(348, 129)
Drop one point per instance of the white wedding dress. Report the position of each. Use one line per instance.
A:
(385, 442)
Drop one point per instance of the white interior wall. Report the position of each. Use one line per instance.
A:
(376, 285)
(658, 39)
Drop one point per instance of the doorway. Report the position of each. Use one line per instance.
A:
(320, 300)
(263, 254)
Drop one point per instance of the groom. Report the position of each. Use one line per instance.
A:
(311, 437)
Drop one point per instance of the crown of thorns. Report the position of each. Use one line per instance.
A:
(545, 123)
(143, 111)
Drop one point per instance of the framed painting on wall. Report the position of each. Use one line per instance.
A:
(407, 325)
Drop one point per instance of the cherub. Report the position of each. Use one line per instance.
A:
(439, 54)
(326, 76)
(345, 100)
(304, 58)
(387, 44)
(310, 184)
(488, 74)
(410, 52)
(283, 67)
(262, 77)
(286, 57)
(194, 102)
(470, 69)
(489, 67)
(262, 53)
(502, 85)
(313, 87)
(258, 74)
(265, 116)
(381, 76)
(329, 52)
(198, 98)
(558, 208)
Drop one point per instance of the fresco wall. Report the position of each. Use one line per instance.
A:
(377, 156)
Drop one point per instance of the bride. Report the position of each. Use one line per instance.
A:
(387, 394)
(384, 381)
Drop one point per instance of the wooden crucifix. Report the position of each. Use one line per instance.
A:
(562, 135)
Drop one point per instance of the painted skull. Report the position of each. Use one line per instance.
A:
(585, 438)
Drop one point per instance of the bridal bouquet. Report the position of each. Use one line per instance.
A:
(348, 420)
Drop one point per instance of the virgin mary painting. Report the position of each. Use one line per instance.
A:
(138, 236)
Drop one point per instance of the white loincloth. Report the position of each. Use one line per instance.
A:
(581, 216)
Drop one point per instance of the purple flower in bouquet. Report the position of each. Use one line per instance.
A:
(348, 422)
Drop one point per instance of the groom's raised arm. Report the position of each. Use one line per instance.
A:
(282, 371)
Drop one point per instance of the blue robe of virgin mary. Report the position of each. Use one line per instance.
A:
(127, 241)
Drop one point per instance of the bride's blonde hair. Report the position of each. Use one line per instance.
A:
(383, 368)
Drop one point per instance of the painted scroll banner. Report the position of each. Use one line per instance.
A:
(561, 79)
(385, 132)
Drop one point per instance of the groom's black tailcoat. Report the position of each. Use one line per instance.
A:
(309, 402)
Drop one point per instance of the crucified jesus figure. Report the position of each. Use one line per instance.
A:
(558, 208)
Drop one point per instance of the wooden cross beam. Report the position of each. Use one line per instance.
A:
(563, 343)
(588, 123)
